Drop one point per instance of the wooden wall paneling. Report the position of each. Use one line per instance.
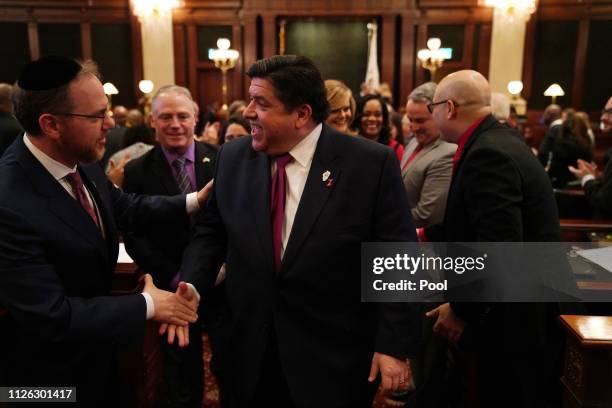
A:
(407, 59)
(178, 38)
(387, 52)
(209, 88)
(249, 55)
(269, 35)
(421, 73)
(468, 46)
(33, 39)
(528, 56)
(445, 16)
(192, 63)
(582, 46)
(484, 49)
(236, 76)
(137, 64)
(86, 40)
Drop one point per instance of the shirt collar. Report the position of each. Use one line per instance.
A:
(555, 122)
(303, 152)
(57, 169)
(468, 133)
(188, 154)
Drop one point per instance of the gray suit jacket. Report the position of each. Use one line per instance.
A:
(427, 179)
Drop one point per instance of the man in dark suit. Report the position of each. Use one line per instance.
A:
(297, 332)
(177, 165)
(9, 126)
(499, 193)
(58, 240)
(598, 191)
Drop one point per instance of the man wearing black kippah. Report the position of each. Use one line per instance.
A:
(58, 240)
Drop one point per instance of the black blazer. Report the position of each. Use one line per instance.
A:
(9, 130)
(325, 335)
(499, 193)
(55, 277)
(156, 250)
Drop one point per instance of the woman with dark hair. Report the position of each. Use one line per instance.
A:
(372, 122)
(237, 126)
(571, 143)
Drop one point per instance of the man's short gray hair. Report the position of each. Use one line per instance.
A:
(174, 89)
(423, 93)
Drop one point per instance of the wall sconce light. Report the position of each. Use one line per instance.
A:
(519, 104)
(146, 87)
(147, 8)
(431, 57)
(225, 59)
(553, 91)
(110, 90)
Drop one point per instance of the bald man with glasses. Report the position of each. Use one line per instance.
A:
(499, 192)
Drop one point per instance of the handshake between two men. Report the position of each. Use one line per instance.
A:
(175, 311)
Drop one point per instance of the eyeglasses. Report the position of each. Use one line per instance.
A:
(107, 114)
(431, 105)
(80, 115)
(607, 111)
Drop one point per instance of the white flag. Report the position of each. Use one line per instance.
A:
(372, 78)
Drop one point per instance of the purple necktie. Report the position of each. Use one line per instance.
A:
(277, 206)
(79, 191)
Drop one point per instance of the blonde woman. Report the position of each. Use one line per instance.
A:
(341, 105)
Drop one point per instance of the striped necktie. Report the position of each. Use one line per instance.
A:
(76, 183)
(182, 178)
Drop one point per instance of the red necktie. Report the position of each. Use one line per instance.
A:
(411, 157)
(79, 191)
(277, 206)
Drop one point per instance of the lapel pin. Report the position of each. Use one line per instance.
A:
(326, 175)
(329, 182)
(205, 160)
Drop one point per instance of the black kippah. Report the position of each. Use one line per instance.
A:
(48, 73)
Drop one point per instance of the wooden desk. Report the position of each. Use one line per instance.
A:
(587, 371)
(578, 230)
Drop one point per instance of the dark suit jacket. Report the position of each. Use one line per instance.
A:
(325, 335)
(156, 250)
(62, 327)
(599, 192)
(9, 130)
(499, 193)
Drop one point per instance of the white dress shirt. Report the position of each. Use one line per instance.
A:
(297, 173)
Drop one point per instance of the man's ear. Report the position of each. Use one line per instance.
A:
(452, 110)
(49, 125)
(303, 115)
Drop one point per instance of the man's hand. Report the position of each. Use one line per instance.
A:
(204, 193)
(116, 172)
(181, 332)
(583, 169)
(170, 307)
(394, 372)
(448, 324)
